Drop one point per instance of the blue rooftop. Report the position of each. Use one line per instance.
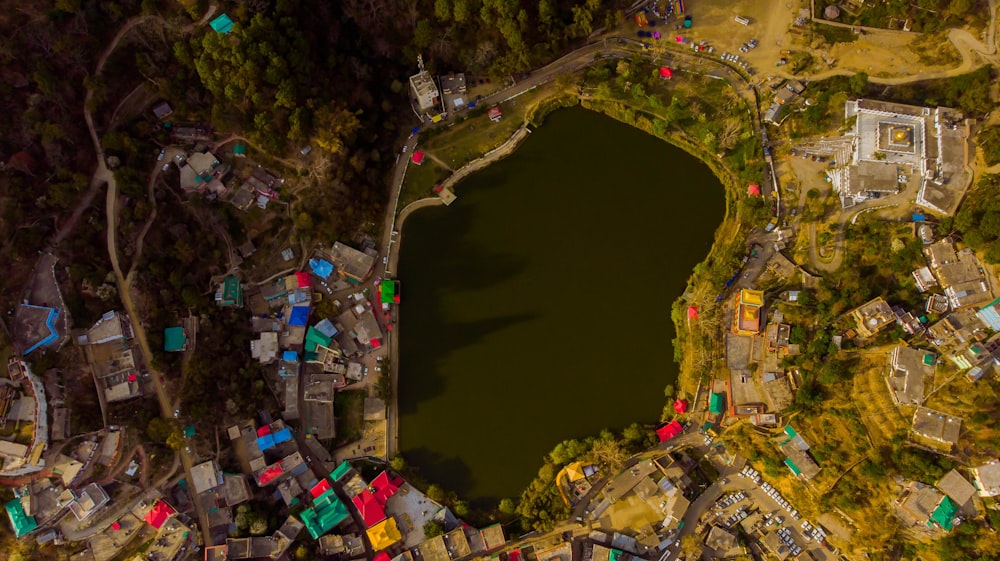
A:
(290, 356)
(299, 316)
(321, 268)
(326, 328)
(283, 435)
(50, 324)
(265, 442)
(222, 24)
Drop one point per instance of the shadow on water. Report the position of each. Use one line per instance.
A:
(423, 380)
(451, 472)
(537, 305)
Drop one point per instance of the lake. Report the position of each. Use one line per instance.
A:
(536, 307)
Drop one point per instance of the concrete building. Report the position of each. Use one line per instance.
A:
(873, 317)
(937, 426)
(894, 144)
(797, 456)
(987, 479)
(938, 304)
(959, 273)
(958, 489)
(910, 370)
(749, 305)
(958, 329)
(425, 91)
(924, 278)
(265, 349)
(203, 172)
(88, 501)
(918, 503)
(352, 264)
(206, 476)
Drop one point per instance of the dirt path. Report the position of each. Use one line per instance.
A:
(123, 465)
(103, 175)
(235, 137)
(25, 479)
(439, 161)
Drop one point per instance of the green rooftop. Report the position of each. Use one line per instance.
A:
(21, 522)
(314, 338)
(240, 149)
(327, 511)
(232, 292)
(388, 291)
(791, 465)
(174, 339)
(944, 514)
(341, 471)
(715, 403)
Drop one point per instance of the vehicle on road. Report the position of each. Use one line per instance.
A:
(177, 413)
(162, 153)
(166, 167)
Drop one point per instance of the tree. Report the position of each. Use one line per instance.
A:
(334, 127)
(176, 439)
(436, 493)
(442, 9)
(959, 8)
(729, 134)
(159, 429)
(398, 463)
(506, 506)
(433, 528)
(858, 83)
(610, 454)
(691, 546)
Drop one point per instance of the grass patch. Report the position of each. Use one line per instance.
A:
(350, 409)
(883, 420)
(833, 34)
(934, 49)
(469, 138)
(420, 181)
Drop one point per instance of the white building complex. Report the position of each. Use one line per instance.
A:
(895, 145)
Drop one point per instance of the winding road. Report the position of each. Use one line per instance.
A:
(575, 60)
(103, 175)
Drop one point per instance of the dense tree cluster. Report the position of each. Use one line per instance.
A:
(922, 15)
(542, 505)
(978, 221)
(495, 37)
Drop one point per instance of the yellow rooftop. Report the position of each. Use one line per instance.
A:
(751, 297)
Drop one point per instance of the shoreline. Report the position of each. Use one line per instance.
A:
(498, 153)
(729, 223)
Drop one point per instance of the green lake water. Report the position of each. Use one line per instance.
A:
(536, 307)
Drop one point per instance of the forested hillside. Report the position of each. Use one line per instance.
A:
(292, 73)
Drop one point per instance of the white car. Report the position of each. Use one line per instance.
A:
(177, 413)
(166, 167)
(162, 153)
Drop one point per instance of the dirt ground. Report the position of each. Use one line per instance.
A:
(887, 53)
(632, 512)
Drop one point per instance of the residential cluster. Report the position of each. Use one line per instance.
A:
(438, 99)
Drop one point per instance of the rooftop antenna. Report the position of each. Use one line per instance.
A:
(420, 62)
